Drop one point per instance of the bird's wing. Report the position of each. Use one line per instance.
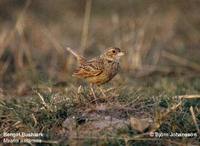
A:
(90, 68)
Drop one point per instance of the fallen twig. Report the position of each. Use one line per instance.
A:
(187, 96)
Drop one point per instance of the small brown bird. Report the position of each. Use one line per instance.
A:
(98, 70)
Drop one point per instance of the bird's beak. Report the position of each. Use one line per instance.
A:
(120, 54)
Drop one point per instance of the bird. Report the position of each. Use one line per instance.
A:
(98, 70)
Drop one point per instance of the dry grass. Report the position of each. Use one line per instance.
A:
(65, 113)
(159, 77)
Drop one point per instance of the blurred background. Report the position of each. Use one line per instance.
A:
(159, 37)
(159, 79)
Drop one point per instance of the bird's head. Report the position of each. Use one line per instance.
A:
(113, 54)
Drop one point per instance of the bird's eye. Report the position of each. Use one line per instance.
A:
(114, 51)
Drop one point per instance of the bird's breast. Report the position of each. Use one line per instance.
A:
(111, 68)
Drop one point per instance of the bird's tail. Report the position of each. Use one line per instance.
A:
(78, 57)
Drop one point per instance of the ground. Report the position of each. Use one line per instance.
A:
(64, 114)
(153, 99)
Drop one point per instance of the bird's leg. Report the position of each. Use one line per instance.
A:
(110, 89)
(102, 91)
(93, 93)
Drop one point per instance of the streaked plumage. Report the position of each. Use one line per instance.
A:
(98, 70)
